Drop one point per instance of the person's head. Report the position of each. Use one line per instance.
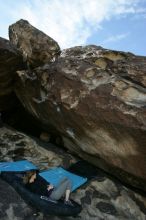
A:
(30, 176)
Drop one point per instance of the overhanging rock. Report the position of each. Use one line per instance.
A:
(95, 98)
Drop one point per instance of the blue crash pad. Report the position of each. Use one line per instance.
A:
(19, 166)
(55, 175)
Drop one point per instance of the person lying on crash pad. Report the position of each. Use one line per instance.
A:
(36, 184)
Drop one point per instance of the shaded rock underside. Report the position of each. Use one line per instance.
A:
(101, 198)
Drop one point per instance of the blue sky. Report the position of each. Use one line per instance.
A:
(113, 24)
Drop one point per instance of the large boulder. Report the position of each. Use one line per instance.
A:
(36, 47)
(10, 61)
(95, 98)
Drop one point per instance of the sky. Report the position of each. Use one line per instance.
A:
(113, 24)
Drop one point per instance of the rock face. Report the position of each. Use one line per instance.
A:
(10, 61)
(36, 47)
(95, 98)
(101, 197)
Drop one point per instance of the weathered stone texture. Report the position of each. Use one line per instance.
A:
(36, 47)
(96, 99)
(10, 61)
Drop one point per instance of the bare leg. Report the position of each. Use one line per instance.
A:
(67, 194)
(64, 188)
